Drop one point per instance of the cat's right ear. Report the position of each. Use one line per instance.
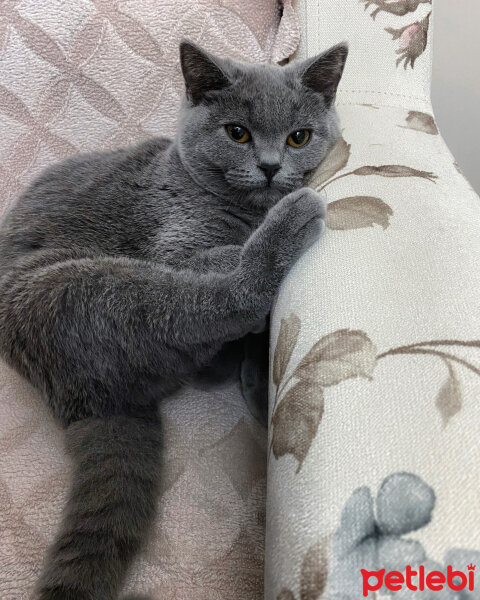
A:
(201, 71)
(322, 73)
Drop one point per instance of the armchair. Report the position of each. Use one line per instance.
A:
(375, 349)
(374, 455)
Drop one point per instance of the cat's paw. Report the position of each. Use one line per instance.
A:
(289, 228)
(298, 219)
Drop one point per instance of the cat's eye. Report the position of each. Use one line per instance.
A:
(298, 138)
(238, 133)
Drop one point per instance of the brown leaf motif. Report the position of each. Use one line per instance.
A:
(399, 8)
(420, 121)
(287, 338)
(338, 356)
(394, 171)
(295, 421)
(336, 160)
(314, 571)
(296, 414)
(357, 212)
(449, 399)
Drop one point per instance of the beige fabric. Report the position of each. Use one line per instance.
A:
(383, 49)
(208, 540)
(78, 76)
(374, 455)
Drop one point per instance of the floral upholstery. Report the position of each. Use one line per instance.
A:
(373, 457)
(374, 454)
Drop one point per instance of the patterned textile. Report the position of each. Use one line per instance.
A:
(374, 454)
(79, 75)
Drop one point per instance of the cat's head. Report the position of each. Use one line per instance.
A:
(249, 132)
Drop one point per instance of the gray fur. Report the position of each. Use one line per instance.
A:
(122, 275)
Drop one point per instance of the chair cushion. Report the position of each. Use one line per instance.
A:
(80, 76)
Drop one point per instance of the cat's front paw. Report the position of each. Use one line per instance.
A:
(289, 228)
(298, 220)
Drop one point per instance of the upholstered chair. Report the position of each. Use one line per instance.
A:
(374, 439)
(372, 455)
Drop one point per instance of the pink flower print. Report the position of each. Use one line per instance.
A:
(394, 7)
(412, 41)
(407, 35)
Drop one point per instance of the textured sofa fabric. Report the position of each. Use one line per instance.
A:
(374, 452)
(83, 75)
(373, 443)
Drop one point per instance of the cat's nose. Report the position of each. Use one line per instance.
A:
(269, 169)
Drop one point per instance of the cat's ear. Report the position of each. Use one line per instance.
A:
(323, 72)
(201, 71)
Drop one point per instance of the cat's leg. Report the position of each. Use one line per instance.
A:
(219, 259)
(224, 259)
(253, 350)
(274, 231)
(110, 506)
(91, 332)
(159, 306)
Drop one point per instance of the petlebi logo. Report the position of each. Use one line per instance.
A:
(418, 579)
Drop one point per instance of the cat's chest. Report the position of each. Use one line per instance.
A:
(192, 229)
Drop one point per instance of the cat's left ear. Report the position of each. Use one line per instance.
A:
(322, 73)
(202, 71)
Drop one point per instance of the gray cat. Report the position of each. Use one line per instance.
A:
(124, 273)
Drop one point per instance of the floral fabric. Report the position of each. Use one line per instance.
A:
(374, 460)
(390, 49)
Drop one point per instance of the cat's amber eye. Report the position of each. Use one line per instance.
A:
(238, 133)
(299, 138)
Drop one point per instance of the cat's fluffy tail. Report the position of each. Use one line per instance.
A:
(109, 510)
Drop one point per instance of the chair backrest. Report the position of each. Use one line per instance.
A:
(390, 46)
(82, 76)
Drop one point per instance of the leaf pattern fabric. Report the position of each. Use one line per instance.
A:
(357, 212)
(420, 121)
(385, 307)
(382, 457)
(449, 398)
(295, 421)
(336, 357)
(336, 160)
(297, 414)
(339, 356)
(287, 338)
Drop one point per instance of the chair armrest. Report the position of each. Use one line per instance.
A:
(375, 420)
